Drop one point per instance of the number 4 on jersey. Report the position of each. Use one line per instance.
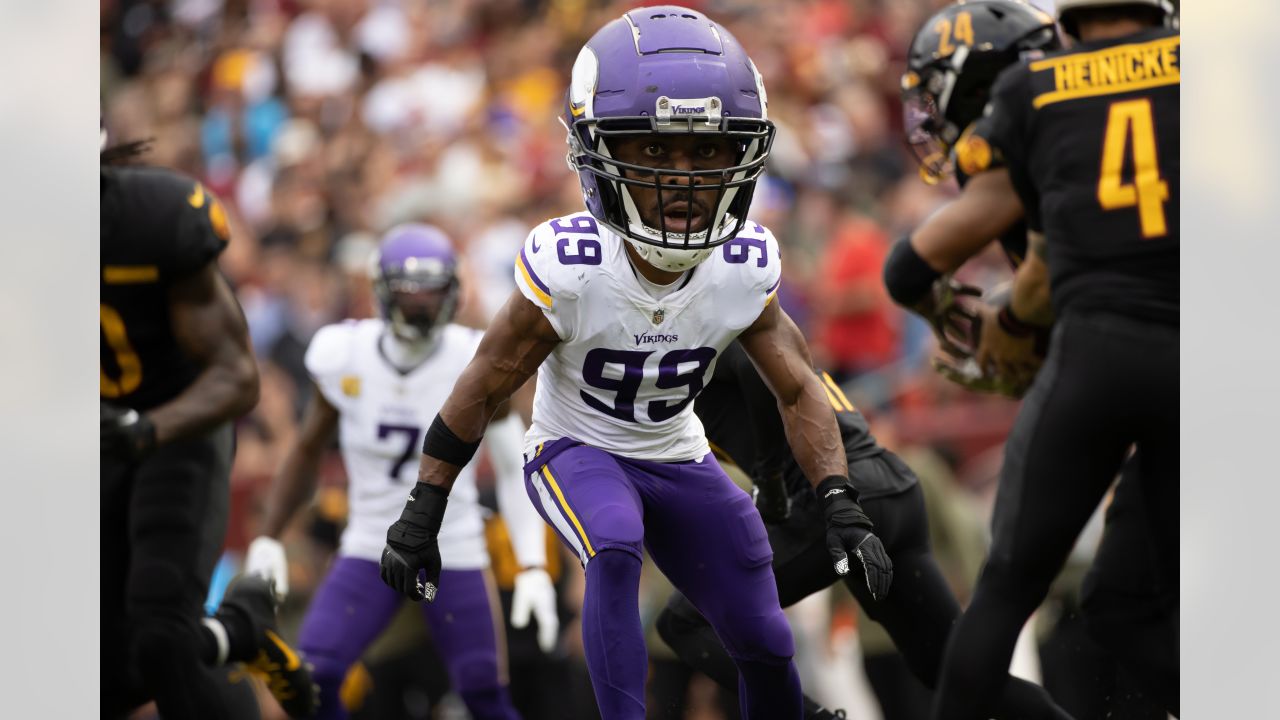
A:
(1148, 191)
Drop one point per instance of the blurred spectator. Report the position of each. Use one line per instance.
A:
(856, 322)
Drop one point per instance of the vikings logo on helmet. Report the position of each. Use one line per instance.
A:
(662, 71)
(415, 279)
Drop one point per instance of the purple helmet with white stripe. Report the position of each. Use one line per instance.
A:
(662, 71)
(415, 279)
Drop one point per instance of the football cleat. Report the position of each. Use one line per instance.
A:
(279, 666)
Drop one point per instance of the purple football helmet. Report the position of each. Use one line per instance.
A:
(661, 71)
(415, 279)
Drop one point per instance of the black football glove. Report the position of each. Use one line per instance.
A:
(127, 434)
(412, 547)
(772, 500)
(849, 532)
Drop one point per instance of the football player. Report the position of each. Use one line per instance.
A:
(175, 371)
(953, 60)
(622, 312)
(378, 383)
(1087, 140)
(1125, 605)
(743, 425)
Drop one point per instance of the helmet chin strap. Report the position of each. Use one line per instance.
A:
(670, 260)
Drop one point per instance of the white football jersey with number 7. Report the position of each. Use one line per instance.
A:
(384, 414)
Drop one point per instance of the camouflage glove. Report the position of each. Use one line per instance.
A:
(951, 321)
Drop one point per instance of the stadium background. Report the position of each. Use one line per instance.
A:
(322, 123)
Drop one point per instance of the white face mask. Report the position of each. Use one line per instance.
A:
(669, 259)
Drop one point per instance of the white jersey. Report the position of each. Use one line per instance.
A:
(384, 414)
(624, 377)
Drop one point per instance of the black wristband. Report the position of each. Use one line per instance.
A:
(835, 486)
(907, 277)
(840, 506)
(441, 444)
(1012, 324)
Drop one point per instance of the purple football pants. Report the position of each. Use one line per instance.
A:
(703, 533)
(353, 606)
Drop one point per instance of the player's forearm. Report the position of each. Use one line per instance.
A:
(1030, 299)
(223, 392)
(461, 424)
(956, 233)
(510, 352)
(813, 433)
(986, 208)
(292, 487)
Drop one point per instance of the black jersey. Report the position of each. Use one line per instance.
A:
(1090, 137)
(741, 418)
(157, 226)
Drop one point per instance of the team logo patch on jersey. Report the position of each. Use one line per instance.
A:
(351, 386)
(973, 154)
(658, 316)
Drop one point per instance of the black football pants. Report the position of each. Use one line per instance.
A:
(163, 523)
(1109, 383)
(918, 612)
(1129, 607)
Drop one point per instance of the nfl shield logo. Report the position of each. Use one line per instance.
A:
(658, 316)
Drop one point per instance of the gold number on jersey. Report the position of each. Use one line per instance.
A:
(127, 360)
(1148, 191)
(963, 33)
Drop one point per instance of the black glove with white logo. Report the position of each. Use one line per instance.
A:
(849, 533)
(126, 435)
(412, 547)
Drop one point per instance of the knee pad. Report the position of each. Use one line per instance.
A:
(767, 640)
